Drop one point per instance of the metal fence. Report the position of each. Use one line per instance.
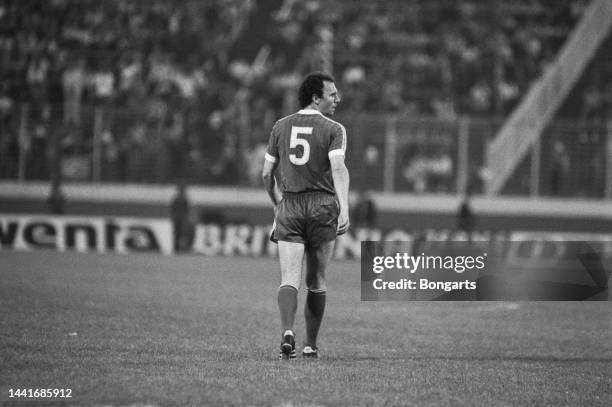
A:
(386, 152)
(392, 154)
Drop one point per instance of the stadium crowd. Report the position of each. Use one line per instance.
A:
(161, 89)
(444, 58)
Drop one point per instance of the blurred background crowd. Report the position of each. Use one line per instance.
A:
(161, 90)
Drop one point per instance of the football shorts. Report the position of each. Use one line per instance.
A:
(310, 218)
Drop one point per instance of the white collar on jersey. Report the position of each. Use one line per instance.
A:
(310, 111)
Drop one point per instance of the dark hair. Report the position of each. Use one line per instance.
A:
(313, 85)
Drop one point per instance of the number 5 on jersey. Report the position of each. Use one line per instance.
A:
(295, 141)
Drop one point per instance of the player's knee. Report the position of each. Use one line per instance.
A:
(313, 280)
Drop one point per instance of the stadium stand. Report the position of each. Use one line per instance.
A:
(152, 91)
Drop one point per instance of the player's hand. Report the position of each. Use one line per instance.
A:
(343, 223)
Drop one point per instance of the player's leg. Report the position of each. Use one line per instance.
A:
(291, 256)
(317, 259)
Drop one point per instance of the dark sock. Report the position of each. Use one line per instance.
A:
(313, 313)
(287, 304)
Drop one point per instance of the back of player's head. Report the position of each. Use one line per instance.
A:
(313, 85)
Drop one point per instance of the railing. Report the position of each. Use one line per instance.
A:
(385, 153)
(539, 105)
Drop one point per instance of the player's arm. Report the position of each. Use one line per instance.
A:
(341, 179)
(269, 168)
(270, 163)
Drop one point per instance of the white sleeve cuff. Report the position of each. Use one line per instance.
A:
(270, 158)
(335, 153)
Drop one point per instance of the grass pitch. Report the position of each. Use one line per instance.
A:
(164, 331)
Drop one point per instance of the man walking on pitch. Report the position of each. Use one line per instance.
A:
(312, 208)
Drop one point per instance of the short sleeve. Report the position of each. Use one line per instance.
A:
(272, 149)
(338, 141)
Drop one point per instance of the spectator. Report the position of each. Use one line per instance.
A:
(364, 212)
(130, 72)
(189, 82)
(103, 81)
(37, 154)
(180, 215)
(36, 77)
(415, 172)
(174, 145)
(466, 219)
(559, 170)
(7, 103)
(440, 170)
(73, 81)
(56, 201)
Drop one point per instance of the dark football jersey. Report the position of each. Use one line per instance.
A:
(302, 144)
